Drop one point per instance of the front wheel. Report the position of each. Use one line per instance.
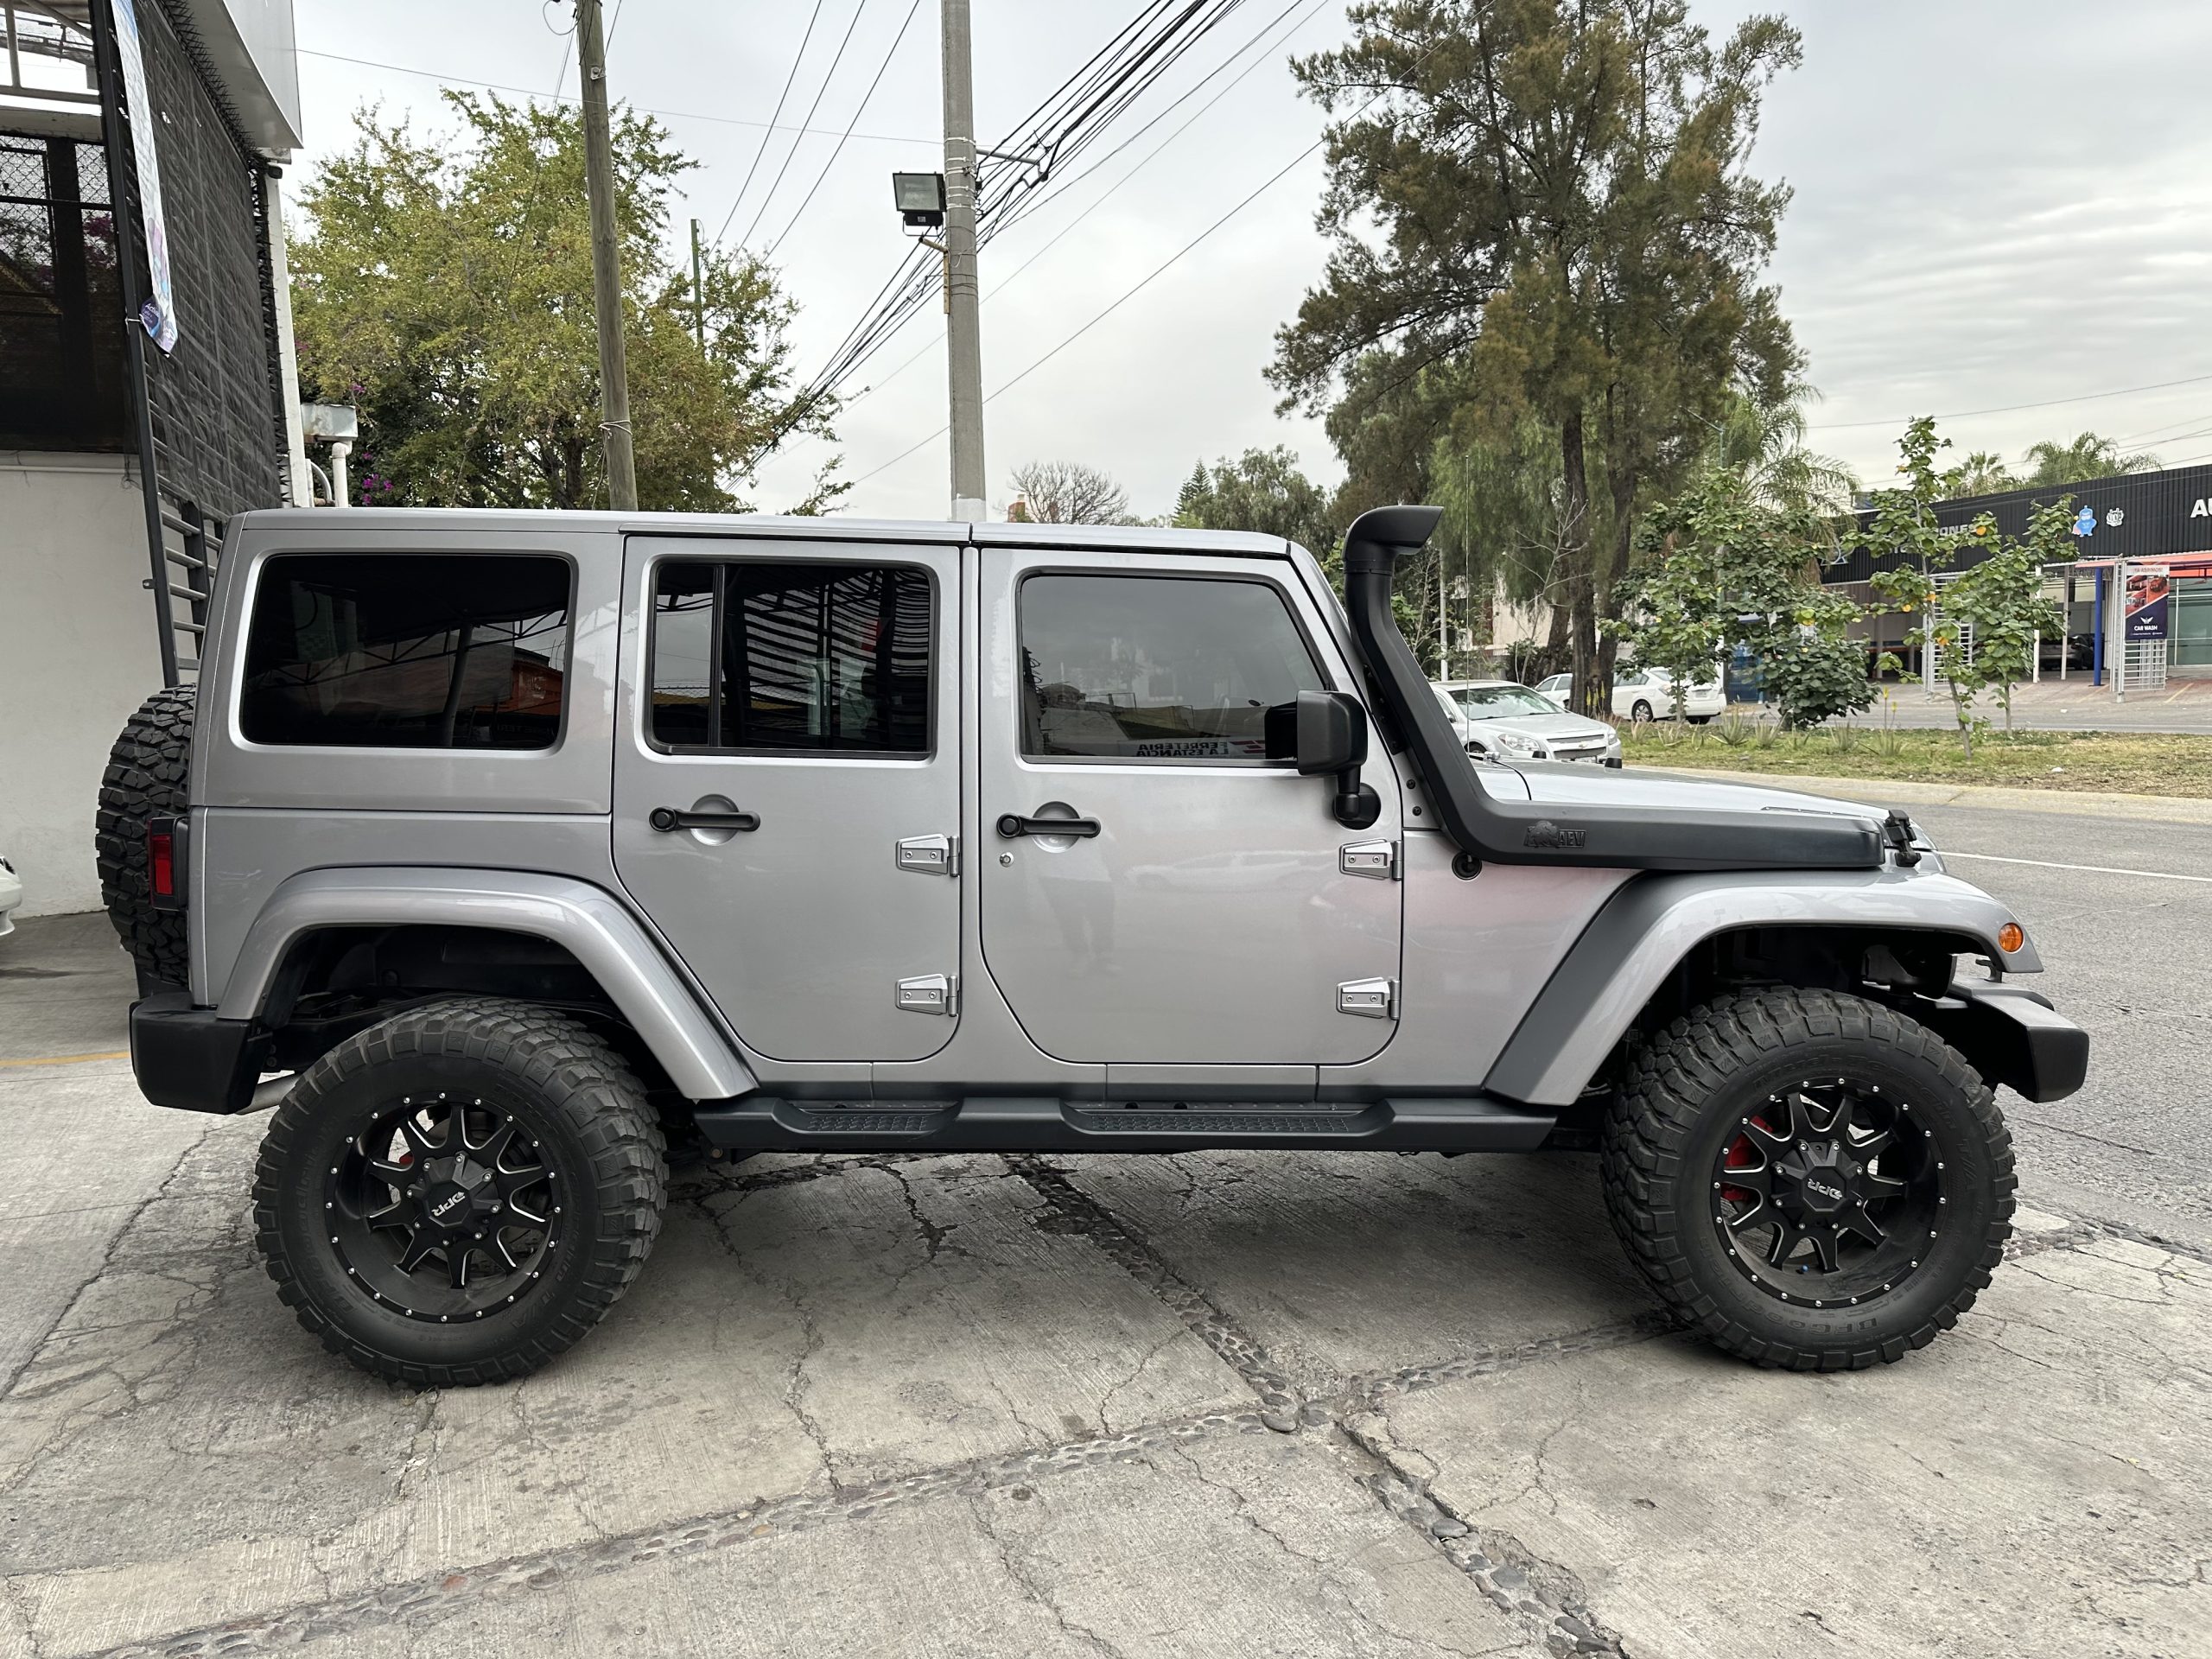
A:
(1810, 1179)
(457, 1195)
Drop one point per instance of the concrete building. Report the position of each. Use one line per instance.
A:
(150, 131)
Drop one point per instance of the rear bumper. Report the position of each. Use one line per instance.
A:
(186, 1057)
(2012, 1036)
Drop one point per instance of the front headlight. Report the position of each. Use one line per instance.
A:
(1528, 748)
(1612, 743)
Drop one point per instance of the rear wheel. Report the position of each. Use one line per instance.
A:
(1812, 1180)
(146, 778)
(1639, 711)
(457, 1195)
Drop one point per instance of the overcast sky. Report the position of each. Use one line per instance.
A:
(1998, 203)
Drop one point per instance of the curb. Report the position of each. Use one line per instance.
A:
(2167, 809)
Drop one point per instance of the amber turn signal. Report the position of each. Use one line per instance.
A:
(2010, 938)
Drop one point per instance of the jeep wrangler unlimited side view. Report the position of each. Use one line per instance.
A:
(494, 848)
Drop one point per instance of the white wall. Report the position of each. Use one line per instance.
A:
(78, 653)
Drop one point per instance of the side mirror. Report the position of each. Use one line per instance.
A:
(1325, 733)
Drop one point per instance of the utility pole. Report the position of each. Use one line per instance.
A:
(962, 328)
(698, 291)
(605, 263)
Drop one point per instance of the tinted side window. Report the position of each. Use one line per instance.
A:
(1156, 667)
(823, 657)
(407, 651)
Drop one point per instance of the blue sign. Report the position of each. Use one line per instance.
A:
(2085, 521)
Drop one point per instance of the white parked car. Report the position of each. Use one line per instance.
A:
(1646, 694)
(1509, 721)
(11, 894)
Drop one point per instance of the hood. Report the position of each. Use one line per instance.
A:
(1565, 784)
(1549, 727)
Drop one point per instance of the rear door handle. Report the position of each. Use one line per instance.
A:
(667, 819)
(1013, 825)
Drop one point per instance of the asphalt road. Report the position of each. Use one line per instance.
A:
(2052, 705)
(2121, 911)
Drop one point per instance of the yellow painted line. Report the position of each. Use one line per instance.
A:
(72, 1059)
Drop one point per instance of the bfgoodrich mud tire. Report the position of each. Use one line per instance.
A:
(1812, 1180)
(457, 1195)
(146, 778)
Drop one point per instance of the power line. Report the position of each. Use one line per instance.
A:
(1126, 295)
(1008, 281)
(813, 18)
(2011, 409)
(788, 154)
(860, 110)
(1068, 120)
(642, 108)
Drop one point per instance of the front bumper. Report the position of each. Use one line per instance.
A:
(2012, 1036)
(186, 1057)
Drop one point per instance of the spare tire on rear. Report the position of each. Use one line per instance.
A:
(146, 778)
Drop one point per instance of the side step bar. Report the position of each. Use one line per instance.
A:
(987, 1124)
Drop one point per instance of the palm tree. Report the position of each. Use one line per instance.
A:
(2087, 456)
(1765, 442)
(1982, 472)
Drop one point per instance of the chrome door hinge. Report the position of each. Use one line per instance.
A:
(1371, 999)
(930, 855)
(931, 993)
(1376, 860)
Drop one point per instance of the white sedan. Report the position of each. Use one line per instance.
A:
(11, 894)
(1646, 694)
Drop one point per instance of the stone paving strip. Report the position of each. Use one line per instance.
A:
(1225, 1403)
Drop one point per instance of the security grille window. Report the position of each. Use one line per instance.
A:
(1156, 668)
(61, 364)
(407, 651)
(829, 659)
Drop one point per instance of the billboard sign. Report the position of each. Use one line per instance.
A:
(2150, 596)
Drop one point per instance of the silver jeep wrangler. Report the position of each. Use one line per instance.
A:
(507, 850)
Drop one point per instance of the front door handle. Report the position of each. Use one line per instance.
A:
(1013, 825)
(667, 819)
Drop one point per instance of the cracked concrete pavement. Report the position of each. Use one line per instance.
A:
(1222, 1403)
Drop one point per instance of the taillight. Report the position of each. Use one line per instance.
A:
(161, 858)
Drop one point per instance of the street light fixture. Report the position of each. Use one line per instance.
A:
(919, 198)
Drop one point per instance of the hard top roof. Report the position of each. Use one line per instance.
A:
(778, 526)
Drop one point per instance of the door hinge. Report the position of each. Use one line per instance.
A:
(930, 855)
(1376, 860)
(931, 993)
(1370, 999)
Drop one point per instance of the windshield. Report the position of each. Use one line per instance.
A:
(1497, 702)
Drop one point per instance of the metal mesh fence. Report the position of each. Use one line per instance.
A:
(60, 342)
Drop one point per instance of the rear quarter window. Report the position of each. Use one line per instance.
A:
(407, 651)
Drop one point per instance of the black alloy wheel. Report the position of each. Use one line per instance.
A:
(1828, 1193)
(444, 1208)
(457, 1195)
(1810, 1179)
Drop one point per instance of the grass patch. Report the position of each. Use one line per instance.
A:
(2134, 763)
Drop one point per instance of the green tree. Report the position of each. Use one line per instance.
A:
(1904, 524)
(1261, 490)
(1542, 209)
(2078, 459)
(445, 286)
(1722, 566)
(2002, 598)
